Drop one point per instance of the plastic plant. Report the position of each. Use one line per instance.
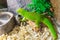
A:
(40, 6)
(37, 18)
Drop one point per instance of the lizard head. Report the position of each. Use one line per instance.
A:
(21, 11)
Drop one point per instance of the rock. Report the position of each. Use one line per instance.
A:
(13, 5)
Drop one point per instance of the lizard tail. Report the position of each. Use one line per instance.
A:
(51, 28)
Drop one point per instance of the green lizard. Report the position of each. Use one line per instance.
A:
(37, 18)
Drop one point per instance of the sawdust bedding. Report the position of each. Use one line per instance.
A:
(27, 33)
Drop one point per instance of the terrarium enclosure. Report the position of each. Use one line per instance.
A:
(43, 22)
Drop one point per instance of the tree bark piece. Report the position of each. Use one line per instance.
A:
(56, 6)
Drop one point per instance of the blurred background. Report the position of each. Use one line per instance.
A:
(3, 3)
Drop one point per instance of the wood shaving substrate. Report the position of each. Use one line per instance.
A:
(26, 33)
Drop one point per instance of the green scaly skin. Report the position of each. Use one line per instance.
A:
(37, 18)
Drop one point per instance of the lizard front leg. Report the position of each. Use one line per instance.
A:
(23, 21)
